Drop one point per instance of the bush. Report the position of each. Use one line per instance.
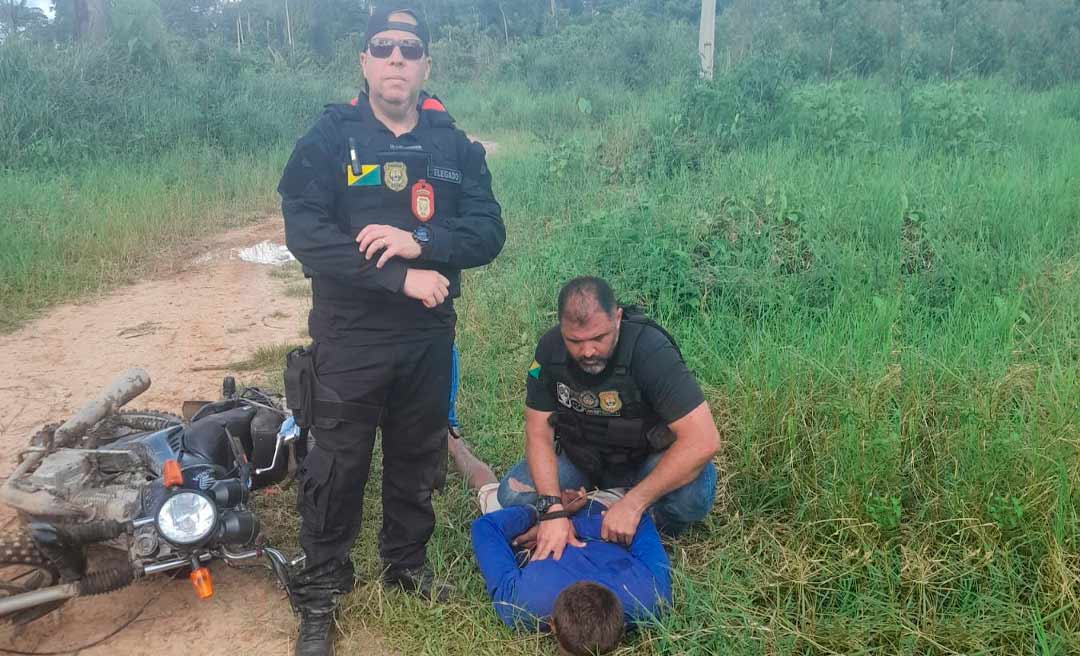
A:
(625, 50)
(121, 102)
(739, 109)
(830, 116)
(946, 116)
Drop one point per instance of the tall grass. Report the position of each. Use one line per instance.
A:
(886, 331)
(106, 169)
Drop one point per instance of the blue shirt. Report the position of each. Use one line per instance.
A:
(525, 596)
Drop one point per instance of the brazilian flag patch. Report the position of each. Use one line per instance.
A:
(370, 176)
(534, 370)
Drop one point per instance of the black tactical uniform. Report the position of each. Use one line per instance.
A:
(375, 347)
(608, 424)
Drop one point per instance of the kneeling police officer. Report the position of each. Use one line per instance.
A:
(610, 404)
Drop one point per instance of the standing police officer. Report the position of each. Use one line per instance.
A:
(610, 387)
(385, 201)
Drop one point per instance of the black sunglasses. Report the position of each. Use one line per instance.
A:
(411, 49)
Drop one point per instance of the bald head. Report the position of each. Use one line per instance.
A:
(583, 296)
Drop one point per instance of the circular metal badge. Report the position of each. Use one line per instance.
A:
(589, 400)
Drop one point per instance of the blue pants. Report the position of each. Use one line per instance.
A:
(673, 512)
(453, 386)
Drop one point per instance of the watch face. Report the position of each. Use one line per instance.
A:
(543, 503)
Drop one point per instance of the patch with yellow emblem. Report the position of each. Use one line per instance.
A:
(610, 401)
(396, 176)
(534, 370)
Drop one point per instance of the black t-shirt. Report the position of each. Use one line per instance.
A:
(659, 372)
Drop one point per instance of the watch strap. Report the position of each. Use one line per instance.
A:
(555, 514)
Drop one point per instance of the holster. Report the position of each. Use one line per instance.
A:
(300, 384)
(315, 404)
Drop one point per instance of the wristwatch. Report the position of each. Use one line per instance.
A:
(422, 236)
(544, 503)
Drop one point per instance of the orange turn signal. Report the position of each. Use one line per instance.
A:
(203, 584)
(171, 475)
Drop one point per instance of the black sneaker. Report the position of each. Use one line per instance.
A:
(419, 581)
(316, 633)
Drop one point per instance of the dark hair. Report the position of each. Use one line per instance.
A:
(575, 296)
(588, 619)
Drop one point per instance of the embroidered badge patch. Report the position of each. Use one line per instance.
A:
(563, 392)
(610, 401)
(423, 201)
(534, 370)
(396, 176)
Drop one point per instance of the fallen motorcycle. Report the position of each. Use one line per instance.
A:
(163, 494)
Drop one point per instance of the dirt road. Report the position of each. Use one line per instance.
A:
(216, 310)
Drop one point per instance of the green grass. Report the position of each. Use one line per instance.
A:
(888, 336)
(109, 170)
(70, 233)
(887, 330)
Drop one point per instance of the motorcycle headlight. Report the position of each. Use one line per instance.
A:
(187, 518)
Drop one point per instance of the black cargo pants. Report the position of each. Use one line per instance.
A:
(407, 385)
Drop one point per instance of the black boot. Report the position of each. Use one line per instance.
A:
(316, 633)
(419, 581)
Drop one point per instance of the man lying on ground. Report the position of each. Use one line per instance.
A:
(589, 596)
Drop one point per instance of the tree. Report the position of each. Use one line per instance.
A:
(91, 20)
(16, 18)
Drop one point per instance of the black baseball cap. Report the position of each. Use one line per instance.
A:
(380, 22)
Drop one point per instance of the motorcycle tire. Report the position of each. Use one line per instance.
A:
(23, 569)
(126, 422)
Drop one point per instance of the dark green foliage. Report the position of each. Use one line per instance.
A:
(741, 108)
(947, 116)
(624, 49)
(831, 117)
(137, 103)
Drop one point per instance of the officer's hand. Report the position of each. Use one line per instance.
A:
(393, 242)
(552, 538)
(621, 521)
(429, 287)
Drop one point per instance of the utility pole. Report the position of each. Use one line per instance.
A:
(288, 24)
(706, 37)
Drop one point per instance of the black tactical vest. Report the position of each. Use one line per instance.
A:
(607, 429)
(381, 192)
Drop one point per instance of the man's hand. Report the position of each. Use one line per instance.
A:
(552, 538)
(621, 521)
(573, 501)
(527, 540)
(429, 287)
(393, 242)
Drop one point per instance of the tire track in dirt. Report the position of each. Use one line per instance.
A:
(184, 329)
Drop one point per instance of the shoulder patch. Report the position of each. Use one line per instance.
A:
(433, 104)
(534, 370)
